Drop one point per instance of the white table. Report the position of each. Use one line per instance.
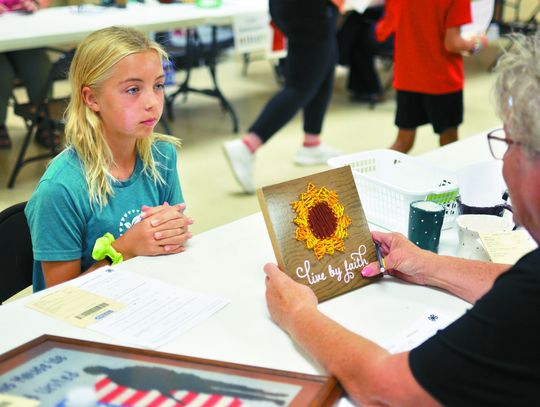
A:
(67, 25)
(227, 262)
(466, 151)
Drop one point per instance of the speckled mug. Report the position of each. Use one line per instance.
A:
(425, 223)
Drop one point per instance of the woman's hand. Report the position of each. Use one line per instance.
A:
(402, 258)
(287, 299)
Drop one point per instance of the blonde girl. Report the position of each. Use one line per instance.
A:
(114, 192)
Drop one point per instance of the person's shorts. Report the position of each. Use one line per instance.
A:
(442, 111)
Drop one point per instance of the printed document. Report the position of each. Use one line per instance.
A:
(507, 247)
(153, 313)
(482, 13)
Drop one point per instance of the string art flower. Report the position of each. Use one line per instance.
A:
(321, 221)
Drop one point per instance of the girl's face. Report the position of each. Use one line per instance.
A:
(130, 101)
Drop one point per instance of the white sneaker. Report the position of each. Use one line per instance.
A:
(314, 155)
(241, 161)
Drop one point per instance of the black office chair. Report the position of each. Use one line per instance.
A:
(15, 251)
(46, 116)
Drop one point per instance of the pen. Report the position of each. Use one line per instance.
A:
(380, 258)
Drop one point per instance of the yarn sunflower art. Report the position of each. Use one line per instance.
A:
(321, 221)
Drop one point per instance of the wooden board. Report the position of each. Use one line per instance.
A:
(319, 231)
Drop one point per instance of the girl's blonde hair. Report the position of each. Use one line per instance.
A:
(93, 63)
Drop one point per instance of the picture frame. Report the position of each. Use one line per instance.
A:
(51, 368)
(319, 231)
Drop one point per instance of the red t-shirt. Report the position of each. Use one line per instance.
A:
(421, 62)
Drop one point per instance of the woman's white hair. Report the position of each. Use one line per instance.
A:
(517, 90)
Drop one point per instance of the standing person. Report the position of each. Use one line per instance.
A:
(489, 356)
(311, 28)
(358, 48)
(428, 65)
(114, 192)
(31, 66)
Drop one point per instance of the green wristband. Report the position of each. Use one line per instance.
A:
(103, 249)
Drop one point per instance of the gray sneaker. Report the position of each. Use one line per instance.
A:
(241, 162)
(314, 155)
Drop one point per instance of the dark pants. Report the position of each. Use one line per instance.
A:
(358, 48)
(309, 66)
(31, 66)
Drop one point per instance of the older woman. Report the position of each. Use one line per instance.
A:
(31, 66)
(490, 356)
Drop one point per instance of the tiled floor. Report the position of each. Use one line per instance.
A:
(211, 193)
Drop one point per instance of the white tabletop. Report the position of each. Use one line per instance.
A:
(227, 262)
(57, 26)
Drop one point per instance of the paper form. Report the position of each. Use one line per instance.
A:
(75, 306)
(482, 13)
(154, 312)
(507, 247)
(424, 328)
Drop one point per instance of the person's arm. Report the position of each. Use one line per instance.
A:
(468, 279)
(384, 28)
(165, 230)
(369, 374)
(454, 42)
(56, 272)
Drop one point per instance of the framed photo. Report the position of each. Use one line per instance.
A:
(53, 370)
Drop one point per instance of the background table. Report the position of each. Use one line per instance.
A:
(57, 26)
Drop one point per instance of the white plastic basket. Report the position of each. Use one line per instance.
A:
(388, 181)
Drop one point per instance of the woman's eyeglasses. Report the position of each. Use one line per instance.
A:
(499, 143)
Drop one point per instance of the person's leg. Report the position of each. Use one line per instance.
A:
(315, 109)
(410, 114)
(364, 82)
(304, 74)
(445, 114)
(312, 151)
(300, 82)
(6, 88)
(32, 67)
(404, 141)
(448, 136)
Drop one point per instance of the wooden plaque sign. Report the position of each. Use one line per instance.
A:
(319, 231)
